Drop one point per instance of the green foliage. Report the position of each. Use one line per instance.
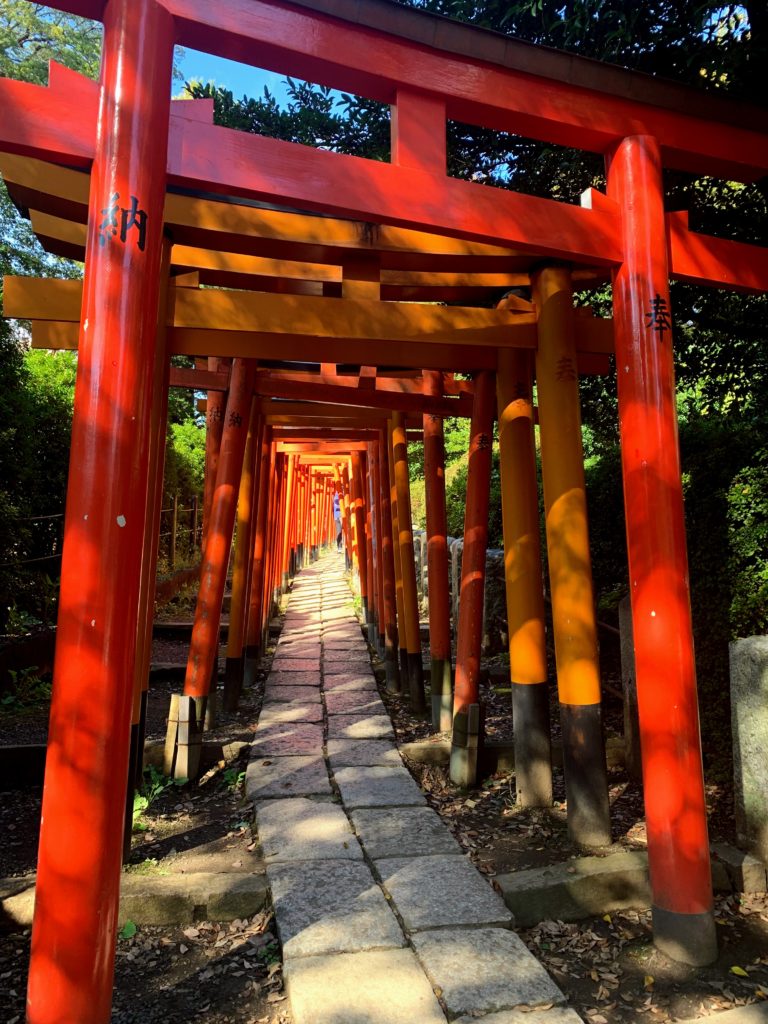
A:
(128, 930)
(27, 691)
(31, 35)
(154, 784)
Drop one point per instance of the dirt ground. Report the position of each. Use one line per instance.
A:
(231, 974)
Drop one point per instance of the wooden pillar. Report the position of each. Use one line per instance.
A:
(678, 847)
(290, 488)
(402, 650)
(214, 426)
(81, 835)
(374, 491)
(523, 577)
(389, 604)
(407, 565)
(570, 572)
(437, 561)
(233, 673)
(359, 530)
(347, 514)
(253, 645)
(467, 736)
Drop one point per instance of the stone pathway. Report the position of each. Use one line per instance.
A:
(382, 918)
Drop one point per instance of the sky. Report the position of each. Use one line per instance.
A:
(241, 79)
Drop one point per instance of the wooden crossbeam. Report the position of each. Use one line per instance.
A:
(364, 397)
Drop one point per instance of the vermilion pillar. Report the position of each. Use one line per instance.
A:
(388, 571)
(214, 417)
(437, 560)
(678, 847)
(359, 530)
(256, 606)
(407, 564)
(78, 875)
(375, 505)
(289, 503)
(402, 651)
(570, 570)
(467, 711)
(523, 577)
(204, 646)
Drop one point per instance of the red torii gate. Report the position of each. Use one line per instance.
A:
(429, 69)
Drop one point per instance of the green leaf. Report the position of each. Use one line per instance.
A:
(128, 930)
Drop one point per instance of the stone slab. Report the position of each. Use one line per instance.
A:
(330, 906)
(341, 651)
(362, 753)
(745, 872)
(578, 888)
(440, 892)
(289, 664)
(378, 787)
(354, 702)
(351, 664)
(301, 829)
(360, 727)
(557, 1015)
(755, 1013)
(302, 775)
(402, 832)
(349, 683)
(484, 970)
(380, 987)
(291, 695)
(749, 725)
(286, 740)
(293, 679)
(295, 711)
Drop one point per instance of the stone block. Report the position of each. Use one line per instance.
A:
(378, 787)
(349, 683)
(379, 987)
(291, 694)
(286, 663)
(354, 702)
(579, 888)
(330, 906)
(286, 714)
(749, 724)
(287, 740)
(402, 832)
(557, 1015)
(301, 775)
(301, 829)
(362, 753)
(441, 891)
(344, 655)
(360, 727)
(745, 872)
(349, 665)
(293, 679)
(483, 970)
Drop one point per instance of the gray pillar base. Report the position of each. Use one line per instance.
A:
(286, 582)
(416, 683)
(687, 938)
(391, 669)
(533, 745)
(586, 777)
(233, 682)
(466, 744)
(442, 695)
(250, 665)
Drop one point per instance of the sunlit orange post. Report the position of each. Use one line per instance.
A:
(78, 872)
(467, 736)
(233, 672)
(402, 650)
(389, 603)
(347, 515)
(290, 488)
(204, 646)
(359, 531)
(407, 564)
(214, 425)
(437, 560)
(275, 480)
(277, 531)
(375, 505)
(365, 477)
(254, 639)
(678, 846)
(570, 572)
(523, 577)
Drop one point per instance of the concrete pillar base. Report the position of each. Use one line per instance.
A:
(687, 938)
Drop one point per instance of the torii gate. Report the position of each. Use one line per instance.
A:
(137, 144)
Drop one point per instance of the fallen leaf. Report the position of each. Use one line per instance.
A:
(740, 971)
(648, 981)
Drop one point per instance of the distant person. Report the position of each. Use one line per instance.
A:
(337, 519)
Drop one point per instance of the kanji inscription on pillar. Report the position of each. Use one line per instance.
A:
(658, 316)
(119, 220)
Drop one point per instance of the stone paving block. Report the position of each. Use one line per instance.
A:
(288, 664)
(350, 682)
(360, 727)
(351, 666)
(354, 702)
(441, 891)
(362, 753)
(291, 695)
(330, 906)
(293, 679)
(338, 650)
(378, 787)
(557, 1015)
(299, 649)
(285, 740)
(380, 987)
(301, 829)
(302, 775)
(284, 714)
(402, 832)
(482, 970)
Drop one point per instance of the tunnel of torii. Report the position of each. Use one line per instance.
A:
(336, 307)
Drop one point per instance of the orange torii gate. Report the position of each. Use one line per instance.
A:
(136, 143)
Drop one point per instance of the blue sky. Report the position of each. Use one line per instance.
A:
(240, 78)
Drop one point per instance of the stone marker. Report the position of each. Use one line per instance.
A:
(286, 740)
(745, 872)
(440, 891)
(482, 970)
(301, 829)
(299, 775)
(381, 987)
(360, 727)
(361, 753)
(402, 832)
(749, 723)
(330, 906)
(378, 787)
